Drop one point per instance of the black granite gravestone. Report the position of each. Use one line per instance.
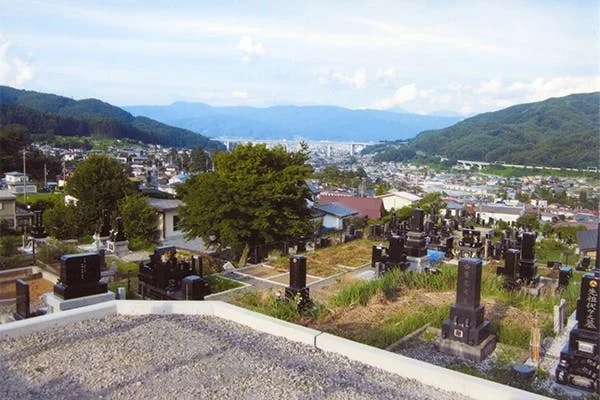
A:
(120, 233)
(416, 244)
(417, 220)
(527, 246)
(297, 286)
(466, 323)
(564, 276)
(300, 246)
(194, 287)
(79, 276)
(105, 227)
(579, 364)
(197, 266)
(22, 300)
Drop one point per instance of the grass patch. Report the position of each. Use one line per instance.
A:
(324, 262)
(401, 324)
(220, 284)
(359, 293)
(268, 304)
(552, 250)
(33, 197)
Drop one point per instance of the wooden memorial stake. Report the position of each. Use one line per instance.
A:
(535, 340)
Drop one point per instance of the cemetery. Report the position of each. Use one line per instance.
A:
(433, 291)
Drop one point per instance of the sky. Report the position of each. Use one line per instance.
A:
(426, 57)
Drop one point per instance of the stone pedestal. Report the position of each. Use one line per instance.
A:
(418, 264)
(476, 353)
(118, 247)
(466, 327)
(56, 304)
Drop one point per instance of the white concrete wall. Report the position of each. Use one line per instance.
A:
(409, 368)
(332, 222)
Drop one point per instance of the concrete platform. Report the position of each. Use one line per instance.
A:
(56, 304)
(474, 353)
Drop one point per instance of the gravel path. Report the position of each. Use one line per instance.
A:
(186, 357)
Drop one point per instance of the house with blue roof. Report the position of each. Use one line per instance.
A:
(335, 214)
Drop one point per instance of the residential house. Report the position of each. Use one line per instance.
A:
(335, 214)
(499, 212)
(168, 216)
(8, 210)
(587, 242)
(395, 199)
(18, 183)
(371, 207)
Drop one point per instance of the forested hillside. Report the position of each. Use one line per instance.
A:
(43, 113)
(558, 132)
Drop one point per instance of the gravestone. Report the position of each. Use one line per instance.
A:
(194, 287)
(79, 276)
(510, 269)
(416, 243)
(527, 266)
(22, 300)
(466, 334)
(300, 247)
(559, 317)
(564, 276)
(164, 276)
(105, 227)
(579, 364)
(118, 242)
(197, 265)
(297, 288)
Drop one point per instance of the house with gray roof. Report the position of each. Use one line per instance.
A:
(335, 214)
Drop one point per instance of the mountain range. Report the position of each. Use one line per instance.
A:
(558, 132)
(289, 122)
(43, 113)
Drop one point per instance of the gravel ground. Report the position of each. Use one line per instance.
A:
(186, 357)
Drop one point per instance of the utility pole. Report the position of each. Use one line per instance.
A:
(45, 176)
(24, 178)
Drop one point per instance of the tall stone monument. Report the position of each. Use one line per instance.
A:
(579, 364)
(416, 245)
(105, 227)
(466, 334)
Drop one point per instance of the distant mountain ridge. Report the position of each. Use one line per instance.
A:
(43, 112)
(558, 132)
(288, 122)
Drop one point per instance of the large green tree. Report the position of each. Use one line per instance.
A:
(255, 196)
(99, 182)
(139, 220)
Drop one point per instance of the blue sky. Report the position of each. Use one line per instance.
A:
(420, 56)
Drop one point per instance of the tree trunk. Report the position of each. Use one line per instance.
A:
(244, 256)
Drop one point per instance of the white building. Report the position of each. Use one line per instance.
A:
(168, 216)
(395, 199)
(497, 212)
(18, 183)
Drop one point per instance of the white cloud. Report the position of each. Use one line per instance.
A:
(387, 76)
(358, 80)
(13, 70)
(249, 48)
(493, 86)
(240, 95)
(403, 94)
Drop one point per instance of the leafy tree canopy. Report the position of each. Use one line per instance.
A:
(99, 182)
(255, 196)
(139, 219)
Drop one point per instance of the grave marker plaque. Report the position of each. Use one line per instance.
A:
(79, 276)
